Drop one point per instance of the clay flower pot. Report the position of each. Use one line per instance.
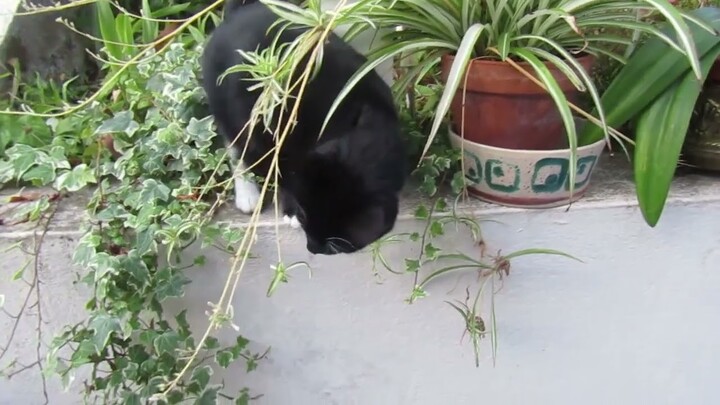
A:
(505, 109)
(525, 178)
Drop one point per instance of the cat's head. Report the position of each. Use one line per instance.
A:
(340, 209)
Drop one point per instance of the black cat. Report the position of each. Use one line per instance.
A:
(341, 188)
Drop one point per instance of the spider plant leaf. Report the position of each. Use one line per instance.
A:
(378, 57)
(650, 70)
(556, 93)
(457, 73)
(660, 134)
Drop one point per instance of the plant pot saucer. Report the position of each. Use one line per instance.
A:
(526, 178)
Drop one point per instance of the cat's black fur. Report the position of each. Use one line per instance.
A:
(344, 187)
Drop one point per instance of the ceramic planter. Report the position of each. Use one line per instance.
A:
(702, 142)
(505, 109)
(525, 178)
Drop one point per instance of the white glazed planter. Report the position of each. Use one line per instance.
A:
(526, 178)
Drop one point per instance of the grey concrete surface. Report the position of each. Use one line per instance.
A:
(635, 323)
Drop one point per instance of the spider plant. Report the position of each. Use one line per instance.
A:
(541, 33)
(658, 89)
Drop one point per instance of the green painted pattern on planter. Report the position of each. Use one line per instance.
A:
(474, 170)
(585, 166)
(549, 175)
(501, 176)
(556, 172)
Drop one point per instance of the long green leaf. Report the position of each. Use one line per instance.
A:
(554, 90)
(660, 134)
(457, 73)
(380, 56)
(649, 72)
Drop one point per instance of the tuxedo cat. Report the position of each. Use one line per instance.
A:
(342, 188)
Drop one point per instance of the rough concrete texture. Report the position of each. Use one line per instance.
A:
(40, 45)
(635, 323)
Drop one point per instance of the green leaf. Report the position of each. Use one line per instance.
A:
(211, 343)
(660, 135)
(421, 212)
(103, 326)
(75, 179)
(82, 354)
(224, 358)
(561, 102)
(201, 377)
(452, 84)
(152, 190)
(132, 398)
(172, 287)
(22, 157)
(136, 267)
(208, 396)
(40, 175)
(651, 69)
(168, 342)
(121, 122)
(412, 265)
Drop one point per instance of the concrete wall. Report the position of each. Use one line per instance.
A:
(636, 323)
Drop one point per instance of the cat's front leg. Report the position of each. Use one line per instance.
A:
(247, 192)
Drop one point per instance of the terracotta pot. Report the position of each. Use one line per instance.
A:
(505, 109)
(525, 178)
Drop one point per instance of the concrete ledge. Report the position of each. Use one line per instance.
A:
(632, 324)
(611, 186)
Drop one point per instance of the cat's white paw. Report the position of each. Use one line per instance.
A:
(292, 221)
(247, 195)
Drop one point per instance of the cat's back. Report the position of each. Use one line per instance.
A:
(243, 28)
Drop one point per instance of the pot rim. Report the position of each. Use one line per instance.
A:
(483, 60)
(529, 151)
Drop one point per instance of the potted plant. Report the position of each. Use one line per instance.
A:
(657, 89)
(526, 62)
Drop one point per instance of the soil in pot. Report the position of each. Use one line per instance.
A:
(505, 109)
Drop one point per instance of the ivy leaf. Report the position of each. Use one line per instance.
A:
(22, 157)
(85, 251)
(121, 122)
(208, 396)
(243, 398)
(103, 326)
(421, 212)
(211, 343)
(75, 179)
(436, 229)
(40, 175)
(7, 172)
(82, 355)
(201, 377)
(183, 324)
(172, 287)
(431, 252)
(201, 131)
(412, 265)
(224, 358)
(135, 266)
(132, 399)
(167, 342)
(152, 191)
